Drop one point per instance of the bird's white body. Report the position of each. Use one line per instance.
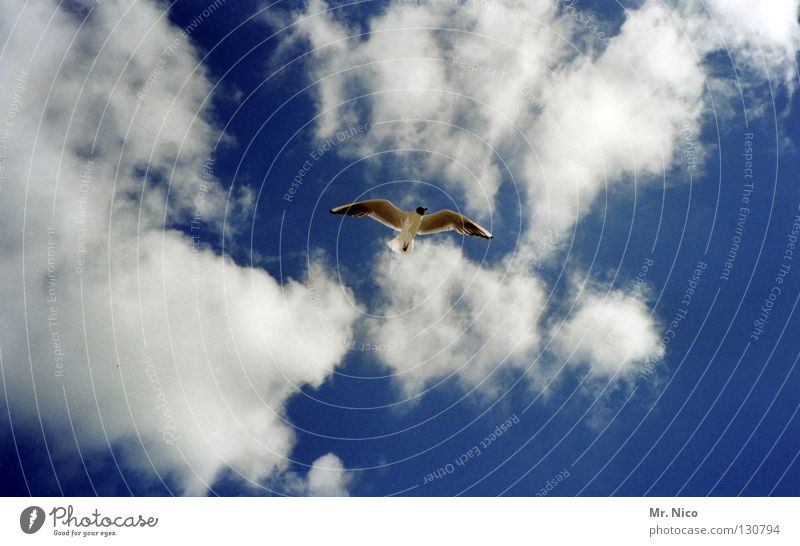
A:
(404, 242)
(411, 223)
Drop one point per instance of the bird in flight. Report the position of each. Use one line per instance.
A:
(412, 223)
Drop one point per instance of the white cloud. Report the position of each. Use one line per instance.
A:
(613, 332)
(618, 116)
(764, 34)
(447, 316)
(328, 477)
(175, 356)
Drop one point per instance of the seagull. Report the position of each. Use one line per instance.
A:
(411, 223)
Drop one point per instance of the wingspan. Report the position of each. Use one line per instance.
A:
(447, 220)
(380, 209)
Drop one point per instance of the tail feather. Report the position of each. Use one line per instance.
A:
(399, 245)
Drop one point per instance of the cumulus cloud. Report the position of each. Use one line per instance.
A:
(328, 478)
(617, 119)
(762, 34)
(445, 316)
(137, 336)
(613, 333)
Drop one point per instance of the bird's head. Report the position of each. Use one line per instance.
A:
(421, 210)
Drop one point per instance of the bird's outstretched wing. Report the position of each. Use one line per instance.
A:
(447, 220)
(380, 209)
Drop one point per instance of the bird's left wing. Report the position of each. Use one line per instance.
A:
(380, 209)
(447, 220)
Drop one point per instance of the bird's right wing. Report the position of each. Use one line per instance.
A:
(380, 209)
(447, 220)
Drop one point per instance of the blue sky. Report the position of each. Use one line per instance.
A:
(588, 184)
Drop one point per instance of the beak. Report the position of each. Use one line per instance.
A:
(424, 208)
